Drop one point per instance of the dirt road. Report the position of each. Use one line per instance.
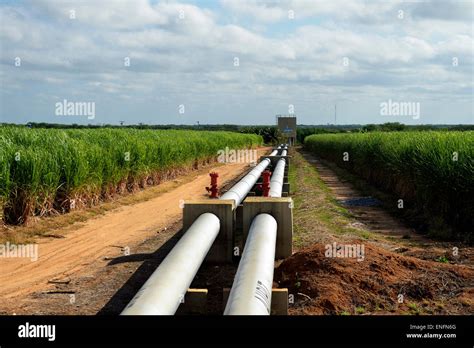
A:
(107, 236)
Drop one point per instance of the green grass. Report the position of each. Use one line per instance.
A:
(414, 308)
(316, 211)
(442, 259)
(419, 167)
(42, 170)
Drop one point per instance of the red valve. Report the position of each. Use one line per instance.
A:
(213, 189)
(265, 185)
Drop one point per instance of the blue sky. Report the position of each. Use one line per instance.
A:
(301, 55)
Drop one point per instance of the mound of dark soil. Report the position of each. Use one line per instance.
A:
(382, 283)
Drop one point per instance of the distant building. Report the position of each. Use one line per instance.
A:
(287, 127)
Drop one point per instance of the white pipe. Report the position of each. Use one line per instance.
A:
(165, 289)
(276, 182)
(240, 190)
(251, 292)
(283, 153)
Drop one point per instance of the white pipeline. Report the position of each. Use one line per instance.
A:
(240, 190)
(165, 289)
(251, 292)
(276, 182)
(282, 149)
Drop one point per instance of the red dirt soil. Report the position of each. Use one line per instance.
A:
(327, 285)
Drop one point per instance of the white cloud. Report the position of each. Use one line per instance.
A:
(182, 51)
(273, 11)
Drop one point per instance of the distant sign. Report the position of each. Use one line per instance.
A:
(288, 130)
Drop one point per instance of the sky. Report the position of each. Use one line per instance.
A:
(237, 61)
